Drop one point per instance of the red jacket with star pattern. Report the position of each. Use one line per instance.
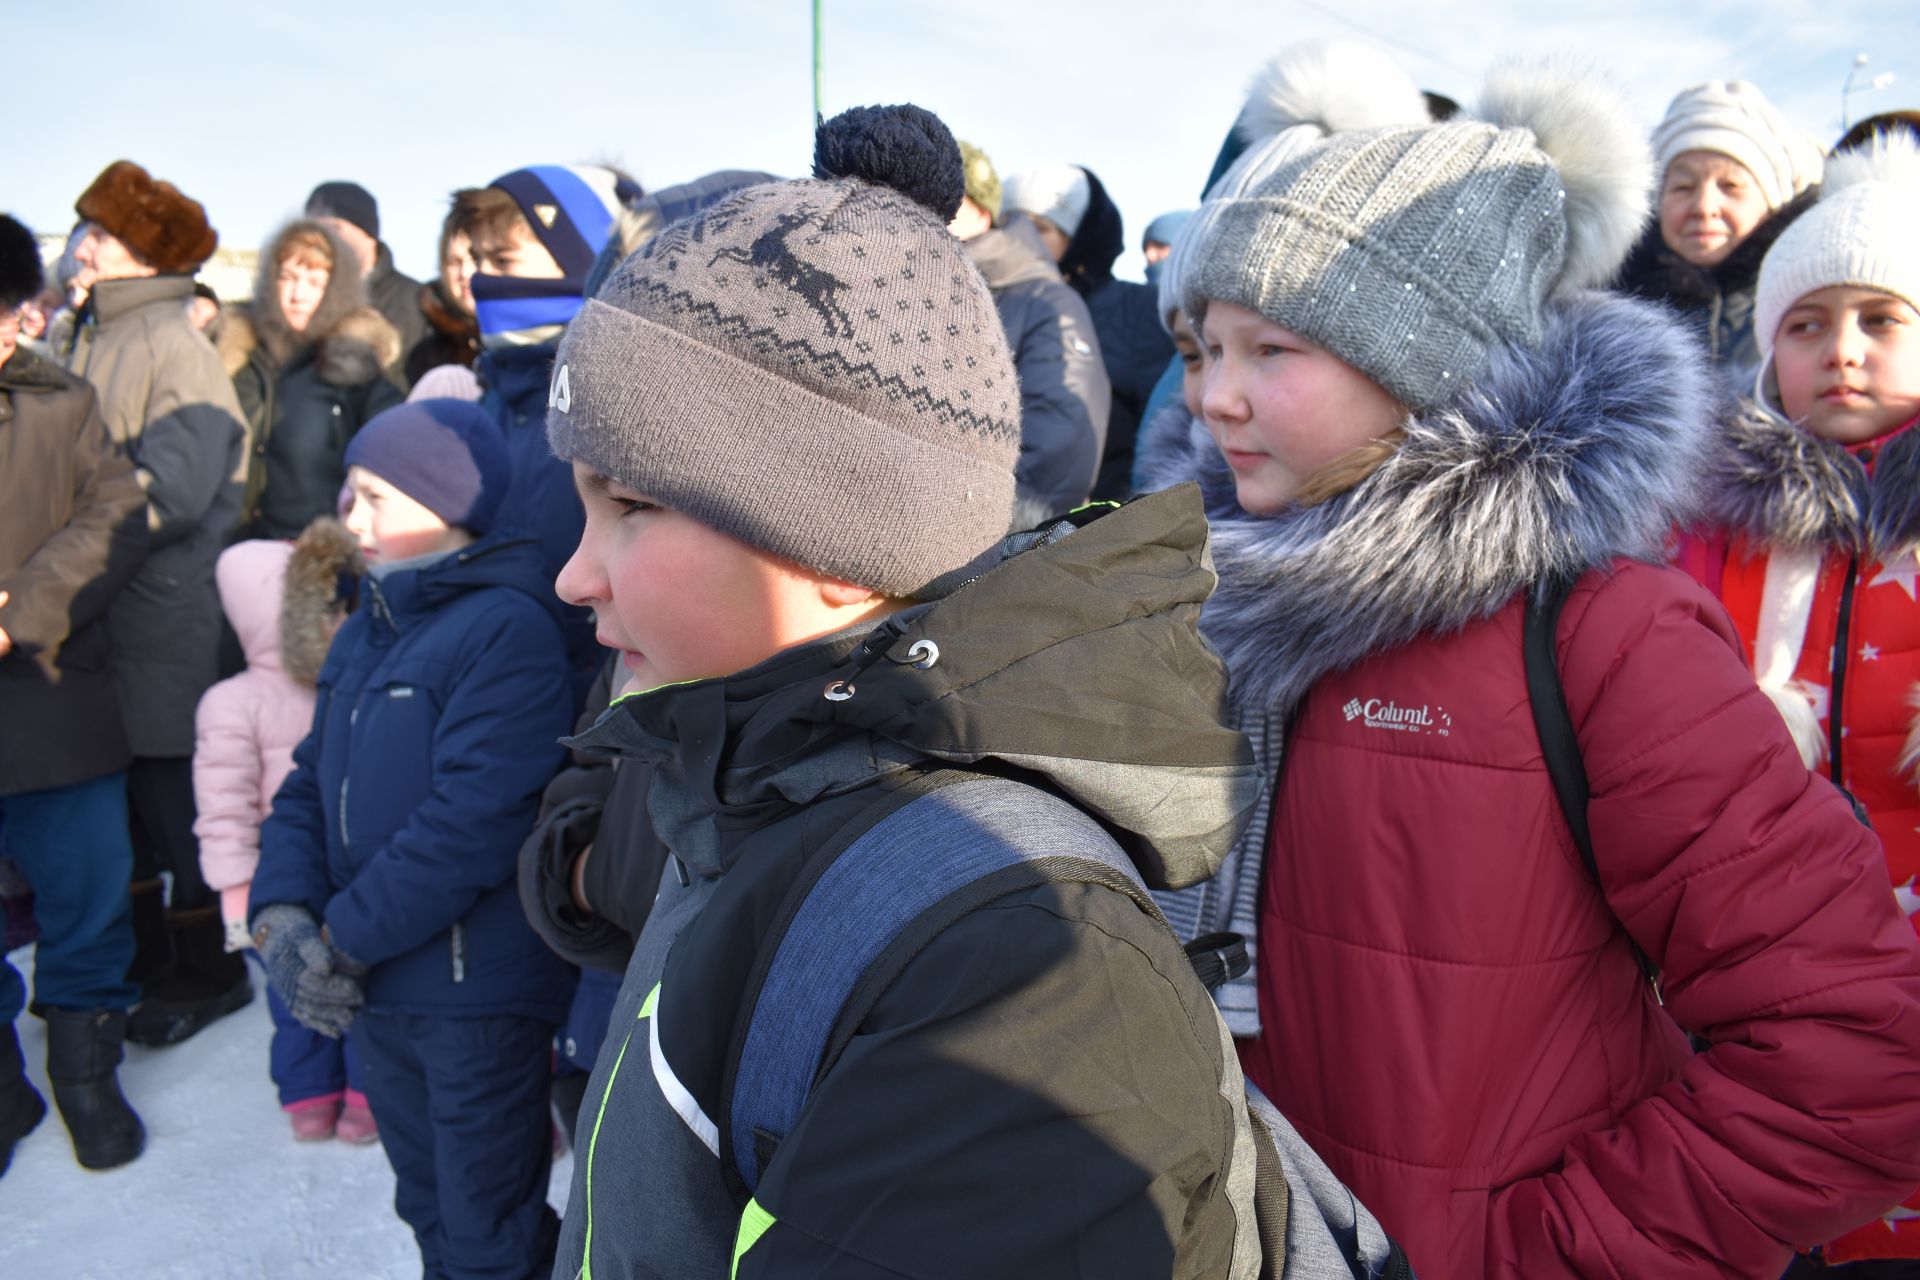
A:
(1814, 557)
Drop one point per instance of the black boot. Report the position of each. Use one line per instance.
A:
(83, 1052)
(208, 982)
(21, 1106)
(152, 945)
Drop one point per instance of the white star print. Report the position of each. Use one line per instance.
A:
(1904, 895)
(1901, 573)
(1869, 653)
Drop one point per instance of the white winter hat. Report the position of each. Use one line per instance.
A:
(1732, 118)
(1860, 233)
(1057, 192)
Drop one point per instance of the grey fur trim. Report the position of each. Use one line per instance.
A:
(1778, 485)
(1560, 458)
(25, 371)
(356, 349)
(309, 607)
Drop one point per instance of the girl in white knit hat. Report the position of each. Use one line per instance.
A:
(1815, 509)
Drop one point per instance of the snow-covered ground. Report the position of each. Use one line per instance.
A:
(222, 1193)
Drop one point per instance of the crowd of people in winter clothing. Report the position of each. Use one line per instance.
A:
(1390, 748)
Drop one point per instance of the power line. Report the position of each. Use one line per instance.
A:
(1383, 38)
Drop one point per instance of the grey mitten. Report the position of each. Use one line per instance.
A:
(305, 970)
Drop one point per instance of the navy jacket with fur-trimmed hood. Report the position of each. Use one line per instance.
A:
(305, 393)
(1043, 1089)
(440, 710)
(1445, 1003)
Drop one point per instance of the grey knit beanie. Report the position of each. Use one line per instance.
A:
(1410, 252)
(815, 368)
(1306, 92)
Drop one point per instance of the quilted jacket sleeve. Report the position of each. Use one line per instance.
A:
(226, 785)
(189, 448)
(1064, 402)
(1764, 902)
(293, 840)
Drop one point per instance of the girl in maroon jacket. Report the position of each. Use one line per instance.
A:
(1414, 412)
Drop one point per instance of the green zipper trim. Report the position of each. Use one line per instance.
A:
(641, 693)
(754, 1222)
(593, 1140)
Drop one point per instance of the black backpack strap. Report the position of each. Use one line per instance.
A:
(856, 924)
(1558, 742)
(1218, 958)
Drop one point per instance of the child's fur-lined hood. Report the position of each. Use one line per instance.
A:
(311, 608)
(351, 341)
(1559, 459)
(1783, 487)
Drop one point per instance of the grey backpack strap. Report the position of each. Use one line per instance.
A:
(970, 839)
(1311, 1226)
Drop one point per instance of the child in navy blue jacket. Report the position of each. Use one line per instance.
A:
(384, 906)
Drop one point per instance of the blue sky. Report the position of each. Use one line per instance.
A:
(246, 105)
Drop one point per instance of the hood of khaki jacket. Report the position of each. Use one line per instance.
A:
(1075, 658)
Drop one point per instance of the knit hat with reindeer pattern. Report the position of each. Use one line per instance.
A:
(814, 367)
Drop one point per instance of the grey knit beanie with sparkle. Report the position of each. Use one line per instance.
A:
(1412, 252)
(815, 368)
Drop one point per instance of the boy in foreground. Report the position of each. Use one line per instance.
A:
(793, 421)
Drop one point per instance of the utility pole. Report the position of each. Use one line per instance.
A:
(818, 118)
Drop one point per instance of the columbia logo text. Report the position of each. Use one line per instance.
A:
(1387, 714)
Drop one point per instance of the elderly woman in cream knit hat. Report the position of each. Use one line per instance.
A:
(1732, 170)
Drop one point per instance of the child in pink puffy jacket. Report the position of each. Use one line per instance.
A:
(284, 600)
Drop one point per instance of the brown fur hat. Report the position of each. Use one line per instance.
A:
(324, 557)
(155, 219)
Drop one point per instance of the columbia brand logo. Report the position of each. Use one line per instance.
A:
(560, 395)
(1386, 714)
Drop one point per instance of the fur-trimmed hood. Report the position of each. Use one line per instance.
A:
(350, 341)
(1783, 487)
(444, 315)
(1561, 458)
(1654, 271)
(311, 609)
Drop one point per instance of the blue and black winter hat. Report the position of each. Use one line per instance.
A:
(447, 455)
(570, 209)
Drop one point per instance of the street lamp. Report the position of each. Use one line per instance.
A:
(1847, 90)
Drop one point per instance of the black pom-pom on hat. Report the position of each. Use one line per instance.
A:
(21, 276)
(904, 147)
